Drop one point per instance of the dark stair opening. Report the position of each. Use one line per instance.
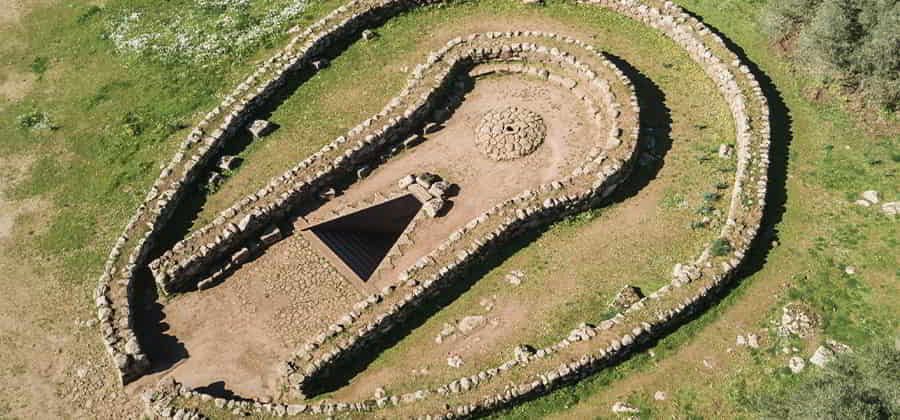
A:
(363, 238)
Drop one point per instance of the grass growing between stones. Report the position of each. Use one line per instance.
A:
(832, 158)
(571, 275)
(119, 117)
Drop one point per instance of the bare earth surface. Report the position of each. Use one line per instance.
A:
(50, 364)
(235, 334)
(483, 182)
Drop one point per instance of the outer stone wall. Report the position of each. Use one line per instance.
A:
(693, 283)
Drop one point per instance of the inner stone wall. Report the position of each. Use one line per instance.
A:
(693, 284)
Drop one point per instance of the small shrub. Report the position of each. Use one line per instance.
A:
(851, 43)
(581, 219)
(672, 200)
(862, 384)
(40, 65)
(89, 13)
(706, 210)
(35, 120)
(132, 124)
(710, 197)
(720, 247)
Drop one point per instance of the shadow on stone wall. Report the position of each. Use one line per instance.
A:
(776, 199)
(655, 121)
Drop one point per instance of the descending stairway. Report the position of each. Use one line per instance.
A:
(364, 238)
(362, 252)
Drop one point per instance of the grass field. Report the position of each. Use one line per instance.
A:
(84, 127)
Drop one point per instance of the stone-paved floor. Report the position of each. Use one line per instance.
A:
(238, 332)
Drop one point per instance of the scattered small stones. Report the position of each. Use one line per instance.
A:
(837, 347)
(446, 332)
(426, 179)
(796, 364)
(363, 172)
(624, 408)
(522, 352)
(433, 207)
(826, 352)
(270, 236)
(328, 194)
(822, 356)
(753, 341)
(515, 277)
(214, 180)
(412, 141)
(796, 320)
(725, 151)
(487, 304)
(629, 295)
(321, 63)
(871, 196)
(471, 323)
(227, 163)
(260, 128)
(406, 181)
(369, 35)
(439, 189)
(454, 361)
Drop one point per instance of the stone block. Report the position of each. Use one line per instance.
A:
(260, 128)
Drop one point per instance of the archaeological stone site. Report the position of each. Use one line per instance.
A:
(462, 209)
(374, 216)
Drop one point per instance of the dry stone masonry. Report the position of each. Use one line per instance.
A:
(578, 67)
(510, 133)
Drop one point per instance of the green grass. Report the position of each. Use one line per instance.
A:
(117, 118)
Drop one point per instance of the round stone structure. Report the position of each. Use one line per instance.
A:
(510, 133)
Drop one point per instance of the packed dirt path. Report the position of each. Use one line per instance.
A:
(52, 365)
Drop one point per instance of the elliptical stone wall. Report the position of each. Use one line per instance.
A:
(115, 291)
(693, 283)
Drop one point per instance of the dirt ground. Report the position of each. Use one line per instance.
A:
(13, 86)
(235, 334)
(483, 182)
(51, 363)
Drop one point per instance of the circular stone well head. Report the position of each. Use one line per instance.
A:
(510, 133)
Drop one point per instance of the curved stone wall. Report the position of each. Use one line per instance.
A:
(573, 65)
(692, 285)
